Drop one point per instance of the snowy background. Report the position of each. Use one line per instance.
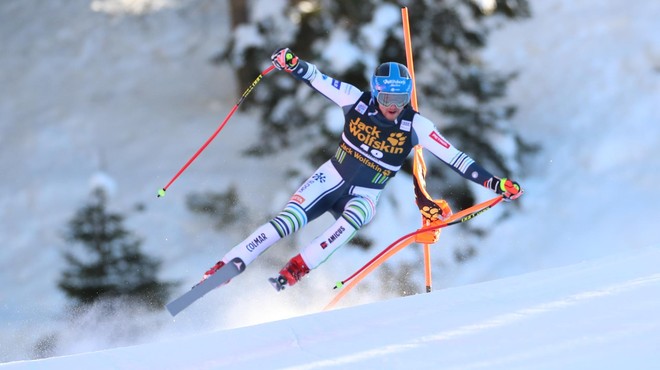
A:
(110, 91)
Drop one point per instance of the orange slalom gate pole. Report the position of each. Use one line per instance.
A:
(411, 67)
(459, 217)
(409, 57)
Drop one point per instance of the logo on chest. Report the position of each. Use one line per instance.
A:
(373, 138)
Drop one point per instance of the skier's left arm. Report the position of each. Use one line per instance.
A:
(429, 138)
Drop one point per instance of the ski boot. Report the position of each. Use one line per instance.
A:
(294, 270)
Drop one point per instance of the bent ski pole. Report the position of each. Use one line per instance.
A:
(161, 192)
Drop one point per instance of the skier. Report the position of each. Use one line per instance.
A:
(380, 130)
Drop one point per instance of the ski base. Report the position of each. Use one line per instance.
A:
(223, 275)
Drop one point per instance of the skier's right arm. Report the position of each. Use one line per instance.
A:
(341, 93)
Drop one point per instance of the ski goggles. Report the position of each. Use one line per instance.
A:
(398, 99)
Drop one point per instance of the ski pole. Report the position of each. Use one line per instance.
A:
(457, 218)
(161, 192)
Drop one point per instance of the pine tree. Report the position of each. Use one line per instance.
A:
(114, 266)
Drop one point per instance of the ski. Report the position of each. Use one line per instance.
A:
(223, 275)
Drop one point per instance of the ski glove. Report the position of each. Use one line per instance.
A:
(284, 60)
(509, 189)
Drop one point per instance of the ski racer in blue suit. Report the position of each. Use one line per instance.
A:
(380, 130)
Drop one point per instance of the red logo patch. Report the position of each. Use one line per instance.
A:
(439, 139)
(297, 199)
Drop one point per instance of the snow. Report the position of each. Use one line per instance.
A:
(599, 314)
(105, 99)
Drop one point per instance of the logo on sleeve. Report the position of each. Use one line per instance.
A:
(297, 198)
(439, 139)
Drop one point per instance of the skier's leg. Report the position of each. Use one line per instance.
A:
(311, 200)
(248, 249)
(358, 211)
(256, 243)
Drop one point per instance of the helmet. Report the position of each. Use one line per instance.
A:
(391, 84)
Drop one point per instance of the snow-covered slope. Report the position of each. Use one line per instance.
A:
(600, 314)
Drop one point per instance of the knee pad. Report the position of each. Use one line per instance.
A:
(291, 219)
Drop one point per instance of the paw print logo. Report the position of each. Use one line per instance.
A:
(396, 139)
(320, 177)
(431, 213)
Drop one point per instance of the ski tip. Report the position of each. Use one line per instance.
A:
(161, 193)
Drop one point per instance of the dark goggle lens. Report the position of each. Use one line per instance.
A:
(398, 99)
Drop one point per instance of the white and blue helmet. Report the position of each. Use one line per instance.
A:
(391, 84)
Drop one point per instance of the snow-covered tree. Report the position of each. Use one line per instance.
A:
(113, 265)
